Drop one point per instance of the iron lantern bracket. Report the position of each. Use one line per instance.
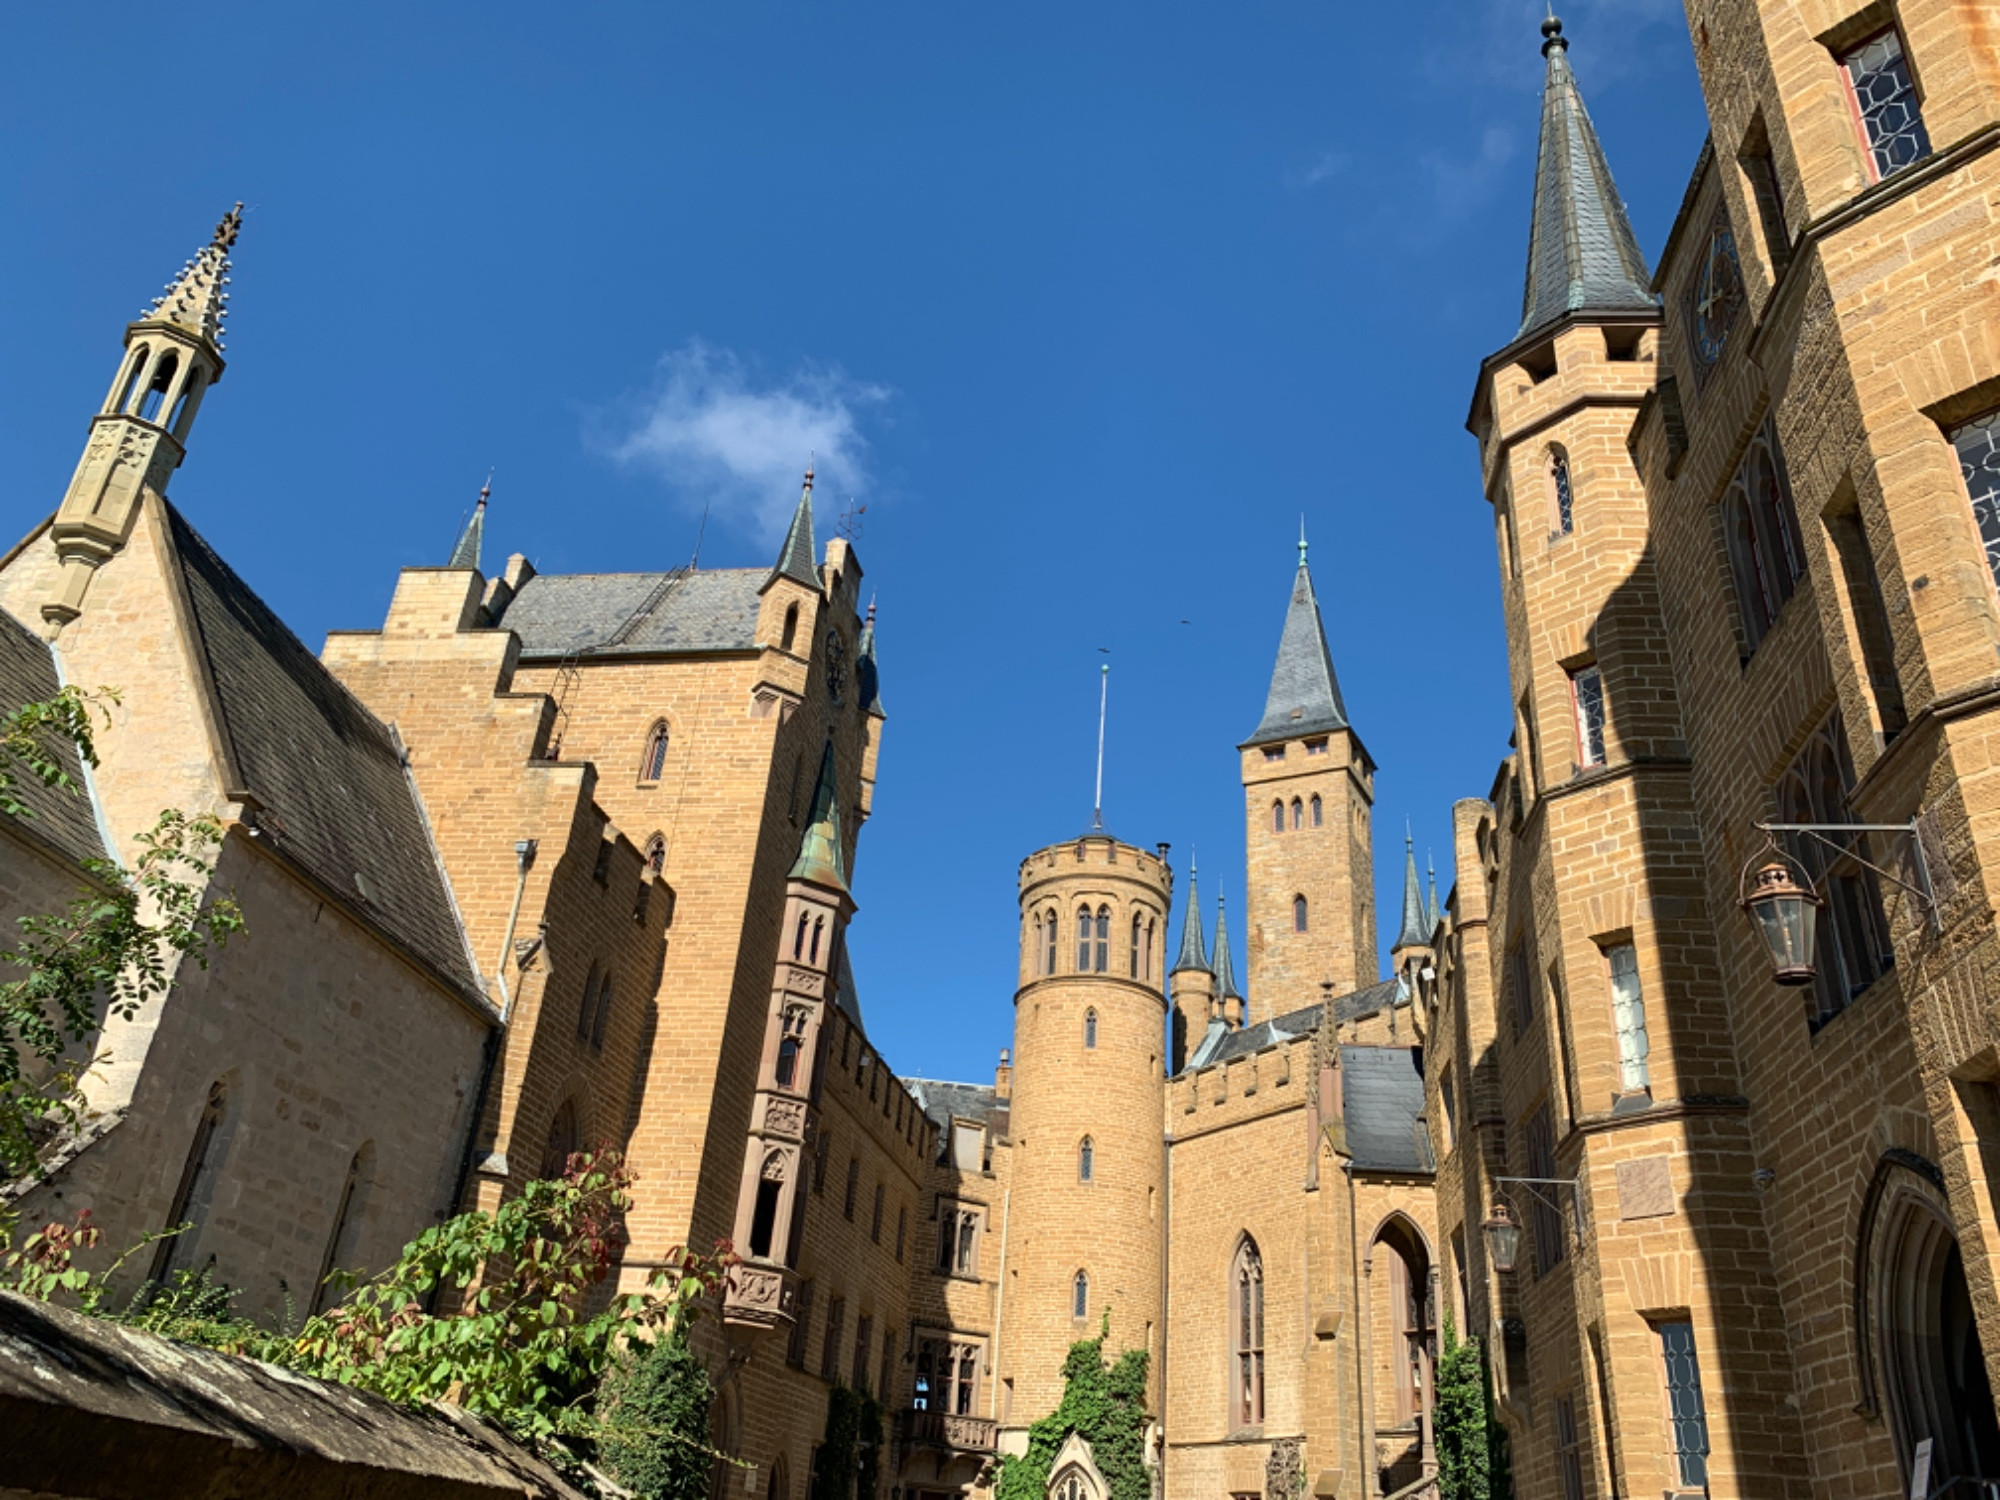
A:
(1534, 1185)
(1923, 891)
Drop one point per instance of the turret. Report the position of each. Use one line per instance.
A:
(1413, 936)
(1191, 983)
(1089, 1093)
(1308, 789)
(173, 354)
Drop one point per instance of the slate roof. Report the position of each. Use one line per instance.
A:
(1305, 694)
(795, 558)
(466, 553)
(1582, 254)
(1382, 1097)
(560, 614)
(1194, 954)
(336, 797)
(1416, 931)
(968, 1101)
(61, 819)
(1225, 971)
(1248, 1039)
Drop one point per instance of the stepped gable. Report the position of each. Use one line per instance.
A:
(333, 793)
(58, 818)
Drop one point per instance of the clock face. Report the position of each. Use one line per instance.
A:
(1718, 296)
(836, 666)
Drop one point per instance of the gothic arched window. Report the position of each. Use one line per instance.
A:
(1090, 1029)
(1298, 814)
(131, 381)
(196, 1186)
(1103, 939)
(1035, 952)
(183, 417)
(1246, 1318)
(339, 1244)
(791, 1046)
(656, 853)
(561, 1143)
(656, 753)
(1317, 811)
(1079, 1296)
(1298, 914)
(1086, 1155)
(1138, 939)
(1277, 817)
(791, 628)
(1562, 515)
(156, 389)
(1051, 935)
(1083, 940)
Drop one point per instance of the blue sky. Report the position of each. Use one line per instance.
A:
(1086, 304)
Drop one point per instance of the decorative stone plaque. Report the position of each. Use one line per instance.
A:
(1645, 1188)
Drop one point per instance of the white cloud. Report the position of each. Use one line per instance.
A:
(1323, 168)
(720, 435)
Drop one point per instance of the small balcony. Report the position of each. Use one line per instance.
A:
(757, 1295)
(942, 1429)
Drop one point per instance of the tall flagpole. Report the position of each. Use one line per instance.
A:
(1103, 694)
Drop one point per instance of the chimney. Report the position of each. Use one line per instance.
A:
(1003, 1078)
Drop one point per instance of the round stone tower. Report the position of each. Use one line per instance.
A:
(1088, 1112)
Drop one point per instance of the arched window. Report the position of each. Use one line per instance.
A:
(656, 753)
(561, 1142)
(819, 927)
(778, 1487)
(1050, 934)
(178, 423)
(1035, 951)
(131, 378)
(1317, 810)
(1103, 939)
(799, 937)
(346, 1216)
(1246, 1320)
(1562, 517)
(1146, 964)
(1079, 1296)
(791, 1044)
(791, 628)
(157, 388)
(764, 1211)
(196, 1187)
(1086, 1155)
(603, 1012)
(1138, 938)
(1089, 1039)
(1298, 914)
(656, 853)
(1277, 817)
(1083, 941)
(1298, 814)
(587, 1007)
(1760, 530)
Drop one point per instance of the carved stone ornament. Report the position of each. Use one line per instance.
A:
(1284, 1470)
(804, 981)
(786, 1117)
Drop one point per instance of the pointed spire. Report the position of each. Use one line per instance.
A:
(1433, 913)
(195, 299)
(1193, 954)
(1305, 694)
(1582, 254)
(867, 676)
(795, 558)
(1225, 971)
(820, 859)
(466, 553)
(1414, 933)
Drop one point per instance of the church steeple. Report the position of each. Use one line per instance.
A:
(795, 558)
(139, 436)
(1582, 254)
(1304, 697)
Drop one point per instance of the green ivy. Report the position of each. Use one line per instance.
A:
(1471, 1442)
(834, 1464)
(655, 1423)
(1107, 1406)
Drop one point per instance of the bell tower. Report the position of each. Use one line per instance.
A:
(1308, 799)
(173, 354)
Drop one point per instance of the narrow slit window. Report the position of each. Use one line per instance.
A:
(1298, 914)
(1090, 1029)
(1687, 1412)
(656, 754)
(1051, 937)
(1318, 811)
(1587, 690)
(1884, 96)
(1559, 490)
(1277, 817)
(1628, 1013)
(1086, 1160)
(1079, 1296)
(1298, 813)
(1247, 1305)
(1138, 938)
(1103, 939)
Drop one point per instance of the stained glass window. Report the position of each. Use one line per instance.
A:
(1885, 98)
(1085, 1160)
(1247, 1292)
(1628, 1012)
(1587, 684)
(1559, 479)
(1978, 445)
(1687, 1416)
(1079, 1301)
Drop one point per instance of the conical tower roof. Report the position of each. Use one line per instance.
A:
(195, 299)
(1305, 694)
(1415, 933)
(867, 674)
(820, 859)
(1433, 913)
(1193, 954)
(1582, 254)
(466, 553)
(795, 558)
(1225, 971)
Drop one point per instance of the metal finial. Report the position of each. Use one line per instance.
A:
(1552, 33)
(486, 489)
(871, 608)
(1302, 539)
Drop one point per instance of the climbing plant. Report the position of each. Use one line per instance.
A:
(834, 1463)
(1106, 1404)
(1471, 1443)
(653, 1426)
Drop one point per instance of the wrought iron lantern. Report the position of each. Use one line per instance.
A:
(1784, 914)
(1503, 1237)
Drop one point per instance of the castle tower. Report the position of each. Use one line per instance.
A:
(173, 354)
(1192, 983)
(1308, 787)
(1089, 1093)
